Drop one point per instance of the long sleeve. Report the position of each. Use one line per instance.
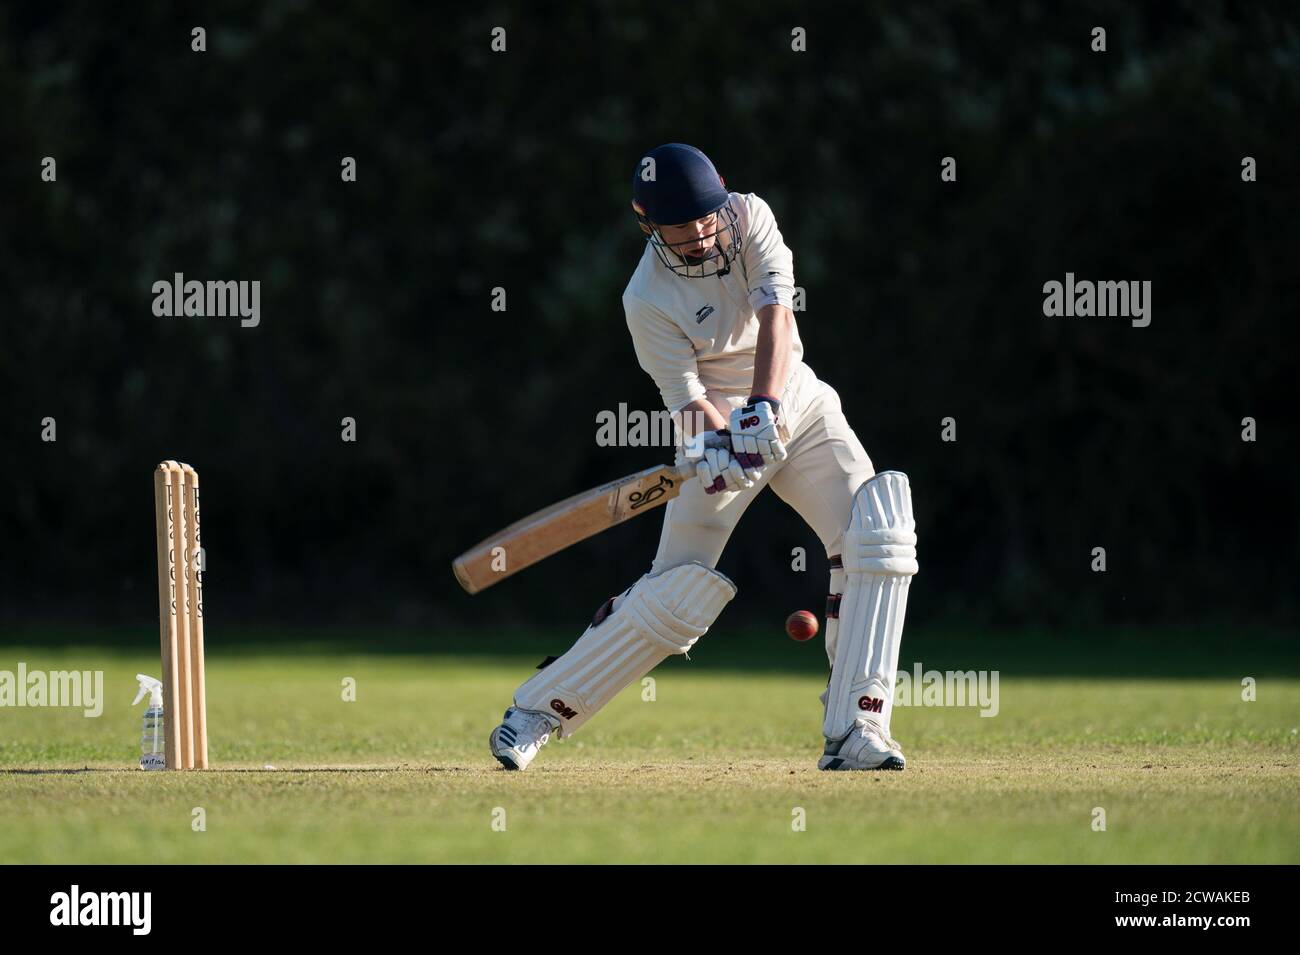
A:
(769, 264)
(664, 353)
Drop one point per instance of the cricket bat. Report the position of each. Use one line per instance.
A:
(549, 531)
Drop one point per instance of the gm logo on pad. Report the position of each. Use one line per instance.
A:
(563, 709)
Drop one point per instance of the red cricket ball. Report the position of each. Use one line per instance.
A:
(801, 625)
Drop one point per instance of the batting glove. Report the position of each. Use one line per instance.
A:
(718, 470)
(755, 435)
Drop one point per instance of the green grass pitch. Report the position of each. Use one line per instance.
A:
(719, 767)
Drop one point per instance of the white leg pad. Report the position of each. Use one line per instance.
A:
(660, 615)
(879, 561)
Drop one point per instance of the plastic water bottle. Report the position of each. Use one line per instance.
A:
(153, 736)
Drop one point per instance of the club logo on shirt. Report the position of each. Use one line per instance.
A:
(703, 313)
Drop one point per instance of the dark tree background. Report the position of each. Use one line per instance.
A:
(478, 169)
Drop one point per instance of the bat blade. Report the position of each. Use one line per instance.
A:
(554, 528)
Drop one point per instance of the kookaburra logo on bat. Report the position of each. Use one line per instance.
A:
(641, 498)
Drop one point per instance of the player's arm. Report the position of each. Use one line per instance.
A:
(774, 351)
(769, 266)
(667, 356)
(700, 415)
(758, 432)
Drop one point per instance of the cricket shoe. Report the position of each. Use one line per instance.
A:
(522, 733)
(866, 747)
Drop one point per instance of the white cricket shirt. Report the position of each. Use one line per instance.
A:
(696, 337)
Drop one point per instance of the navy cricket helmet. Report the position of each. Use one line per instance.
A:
(677, 185)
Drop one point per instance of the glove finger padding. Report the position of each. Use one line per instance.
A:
(708, 480)
(739, 478)
(718, 471)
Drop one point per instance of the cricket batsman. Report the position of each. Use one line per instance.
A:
(709, 308)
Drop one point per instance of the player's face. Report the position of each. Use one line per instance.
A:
(693, 241)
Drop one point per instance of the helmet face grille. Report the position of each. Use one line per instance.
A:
(716, 259)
